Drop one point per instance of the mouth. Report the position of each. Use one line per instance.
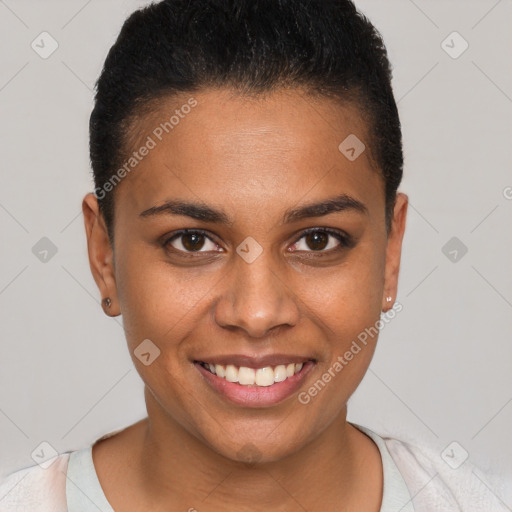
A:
(245, 376)
(255, 383)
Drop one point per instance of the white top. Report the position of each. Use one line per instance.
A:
(416, 479)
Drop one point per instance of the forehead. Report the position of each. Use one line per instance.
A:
(275, 148)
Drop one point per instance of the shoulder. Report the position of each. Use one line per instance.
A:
(446, 479)
(34, 489)
(38, 489)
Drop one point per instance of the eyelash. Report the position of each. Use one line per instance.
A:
(345, 240)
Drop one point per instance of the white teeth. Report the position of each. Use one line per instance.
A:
(231, 373)
(280, 373)
(249, 376)
(246, 376)
(265, 376)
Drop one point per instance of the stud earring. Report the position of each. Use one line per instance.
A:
(389, 299)
(107, 302)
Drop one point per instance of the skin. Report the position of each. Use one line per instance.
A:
(253, 159)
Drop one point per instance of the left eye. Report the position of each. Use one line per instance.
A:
(319, 240)
(191, 241)
(316, 240)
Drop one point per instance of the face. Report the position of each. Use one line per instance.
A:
(249, 247)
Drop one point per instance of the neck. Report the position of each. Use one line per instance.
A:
(335, 468)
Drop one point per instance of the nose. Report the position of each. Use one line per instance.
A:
(256, 298)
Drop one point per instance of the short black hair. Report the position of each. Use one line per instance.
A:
(325, 47)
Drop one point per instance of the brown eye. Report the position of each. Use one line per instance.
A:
(317, 240)
(191, 241)
(322, 240)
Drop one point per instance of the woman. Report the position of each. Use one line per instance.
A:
(246, 224)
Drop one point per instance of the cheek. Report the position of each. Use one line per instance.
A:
(349, 312)
(158, 301)
(351, 298)
(160, 304)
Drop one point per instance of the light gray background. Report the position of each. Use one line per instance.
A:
(442, 370)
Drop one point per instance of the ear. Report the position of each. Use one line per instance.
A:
(101, 254)
(394, 251)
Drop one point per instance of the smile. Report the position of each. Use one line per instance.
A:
(255, 383)
(245, 376)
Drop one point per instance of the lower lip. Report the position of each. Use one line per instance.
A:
(256, 396)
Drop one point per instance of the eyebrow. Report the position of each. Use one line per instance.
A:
(194, 210)
(206, 213)
(339, 203)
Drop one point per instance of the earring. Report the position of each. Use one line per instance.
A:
(107, 302)
(389, 299)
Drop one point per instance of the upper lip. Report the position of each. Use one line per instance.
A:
(254, 361)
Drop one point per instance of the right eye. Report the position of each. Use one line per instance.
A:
(190, 241)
